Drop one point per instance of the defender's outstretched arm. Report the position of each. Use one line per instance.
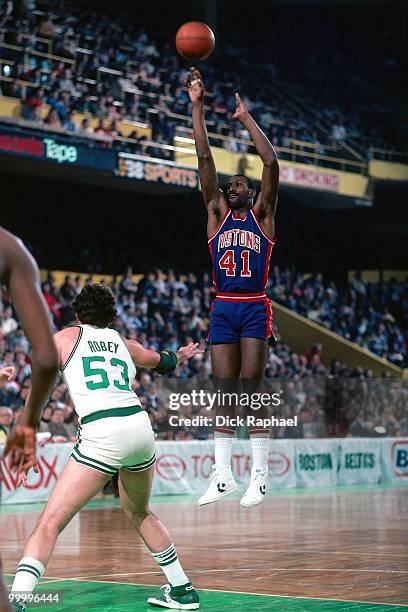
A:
(148, 358)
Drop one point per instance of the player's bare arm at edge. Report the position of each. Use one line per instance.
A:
(213, 197)
(19, 272)
(267, 200)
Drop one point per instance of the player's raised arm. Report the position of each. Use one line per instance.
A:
(163, 362)
(213, 197)
(267, 200)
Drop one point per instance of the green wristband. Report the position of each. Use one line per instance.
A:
(167, 363)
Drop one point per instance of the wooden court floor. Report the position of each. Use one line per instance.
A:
(298, 551)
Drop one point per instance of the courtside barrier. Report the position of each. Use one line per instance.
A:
(183, 467)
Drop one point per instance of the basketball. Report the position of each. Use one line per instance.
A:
(195, 40)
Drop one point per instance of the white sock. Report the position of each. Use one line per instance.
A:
(169, 563)
(28, 573)
(223, 449)
(260, 451)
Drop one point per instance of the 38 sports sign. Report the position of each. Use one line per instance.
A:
(164, 173)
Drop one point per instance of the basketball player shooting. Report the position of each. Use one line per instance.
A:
(241, 235)
(19, 272)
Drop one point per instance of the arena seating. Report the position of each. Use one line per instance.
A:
(168, 310)
(73, 61)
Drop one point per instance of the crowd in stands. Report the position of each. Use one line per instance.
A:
(168, 310)
(111, 69)
(365, 313)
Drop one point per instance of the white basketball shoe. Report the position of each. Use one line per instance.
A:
(256, 491)
(222, 483)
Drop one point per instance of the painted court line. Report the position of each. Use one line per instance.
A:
(238, 569)
(299, 569)
(293, 550)
(265, 550)
(303, 597)
(83, 546)
(279, 569)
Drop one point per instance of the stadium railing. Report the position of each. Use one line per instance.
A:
(375, 276)
(399, 157)
(291, 153)
(11, 108)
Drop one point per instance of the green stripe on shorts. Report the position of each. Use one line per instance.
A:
(104, 467)
(101, 463)
(140, 466)
(90, 465)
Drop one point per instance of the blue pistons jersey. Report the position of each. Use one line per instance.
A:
(241, 252)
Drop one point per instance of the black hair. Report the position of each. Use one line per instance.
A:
(95, 305)
(250, 183)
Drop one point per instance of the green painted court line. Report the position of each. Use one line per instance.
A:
(114, 597)
(21, 508)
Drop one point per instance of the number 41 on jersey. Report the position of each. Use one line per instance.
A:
(227, 263)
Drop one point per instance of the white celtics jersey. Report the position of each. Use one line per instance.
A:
(100, 371)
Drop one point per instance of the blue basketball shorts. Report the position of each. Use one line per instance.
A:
(231, 320)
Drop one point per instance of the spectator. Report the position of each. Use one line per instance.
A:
(86, 127)
(69, 123)
(8, 322)
(46, 28)
(57, 427)
(33, 105)
(67, 290)
(6, 420)
(52, 119)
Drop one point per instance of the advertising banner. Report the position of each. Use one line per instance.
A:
(394, 455)
(316, 463)
(305, 177)
(51, 460)
(44, 146)
(281, 464)
(359, 461)
(185, 467)
(154, 171)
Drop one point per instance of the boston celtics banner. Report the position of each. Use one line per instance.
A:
(316, 462)
(359, 461)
